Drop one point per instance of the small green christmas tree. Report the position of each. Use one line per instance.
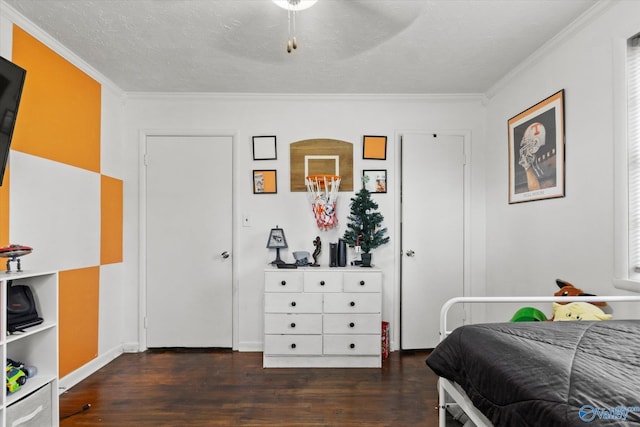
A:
(363, 228)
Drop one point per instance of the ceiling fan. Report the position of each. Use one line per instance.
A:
(330, 29)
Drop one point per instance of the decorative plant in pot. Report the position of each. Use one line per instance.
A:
(363, 228)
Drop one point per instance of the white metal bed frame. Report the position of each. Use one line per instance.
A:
(455, 393)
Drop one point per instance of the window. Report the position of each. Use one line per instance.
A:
(633, 152)
(627, 170)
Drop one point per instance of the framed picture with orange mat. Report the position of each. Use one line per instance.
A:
(374, 147)
(265, 181)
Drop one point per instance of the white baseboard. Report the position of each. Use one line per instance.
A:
(250, 346)
(131, 347)
(69, 380)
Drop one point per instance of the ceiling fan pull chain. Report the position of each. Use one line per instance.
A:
(294, 41)
(292, 7)
(289, 42)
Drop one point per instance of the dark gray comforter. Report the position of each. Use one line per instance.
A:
(547, 373)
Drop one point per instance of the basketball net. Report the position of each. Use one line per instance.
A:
(323, 195)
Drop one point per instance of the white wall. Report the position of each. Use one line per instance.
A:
(294, 118)
(113, 319)
(532, 244)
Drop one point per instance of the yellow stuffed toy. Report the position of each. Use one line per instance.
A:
(578, 311)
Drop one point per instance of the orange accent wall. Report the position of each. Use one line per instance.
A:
(59, 115)
(60, 120)
(111, 220)
(78, 317)
(4, 210)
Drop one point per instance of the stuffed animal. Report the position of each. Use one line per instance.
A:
(578, 311)
(528, 314)
(567, 289)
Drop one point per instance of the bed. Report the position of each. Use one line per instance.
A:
(540, 373)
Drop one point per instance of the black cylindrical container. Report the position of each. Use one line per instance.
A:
(333, 254)
(342, 253)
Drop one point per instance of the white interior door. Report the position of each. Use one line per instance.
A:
(432, 267)
(188, 241)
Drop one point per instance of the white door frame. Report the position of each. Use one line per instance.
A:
(142, 214)
(466, 288)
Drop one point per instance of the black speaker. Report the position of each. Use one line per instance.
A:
(342, 253)
(333, 254)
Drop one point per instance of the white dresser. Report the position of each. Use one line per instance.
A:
(322, 317)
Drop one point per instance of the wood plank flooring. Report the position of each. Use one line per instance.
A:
(225, 388)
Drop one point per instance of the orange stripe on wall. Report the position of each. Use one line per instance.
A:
(111, 220)
(78, 317)
(59, 115)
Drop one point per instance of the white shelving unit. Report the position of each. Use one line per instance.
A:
(36, 402)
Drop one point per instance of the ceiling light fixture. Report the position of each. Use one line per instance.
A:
(293, 6)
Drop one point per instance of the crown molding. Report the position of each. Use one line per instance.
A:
(463, 97)
(589, 15)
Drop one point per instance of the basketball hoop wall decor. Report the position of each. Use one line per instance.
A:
(323, 195)
(320, 157)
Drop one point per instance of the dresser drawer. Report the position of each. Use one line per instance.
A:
(277, 281)
(352, 303)
(294, 345)
(362, 282)
(351, 323)
(292, 303)
(323, 281)
(356, 345)
(292, 323)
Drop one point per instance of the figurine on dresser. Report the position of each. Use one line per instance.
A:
(318, 244)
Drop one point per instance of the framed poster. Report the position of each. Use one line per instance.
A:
(536, 151)
(375, 180)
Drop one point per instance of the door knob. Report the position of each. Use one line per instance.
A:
(410, 253)
(225, 254)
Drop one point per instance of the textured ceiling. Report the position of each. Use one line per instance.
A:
(344, 46)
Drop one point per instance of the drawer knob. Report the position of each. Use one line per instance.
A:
(293, 325)
(293, 345)
(352, 325)
(361, 282)
(283, 283)
(352, 304)
(352, 345)
(322, 283)
(293, 303)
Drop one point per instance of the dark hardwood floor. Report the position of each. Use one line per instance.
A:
(225, 388)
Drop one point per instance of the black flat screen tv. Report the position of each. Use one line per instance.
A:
(11, 83)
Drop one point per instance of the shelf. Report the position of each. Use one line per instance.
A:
(46, 325)
(35, 346)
